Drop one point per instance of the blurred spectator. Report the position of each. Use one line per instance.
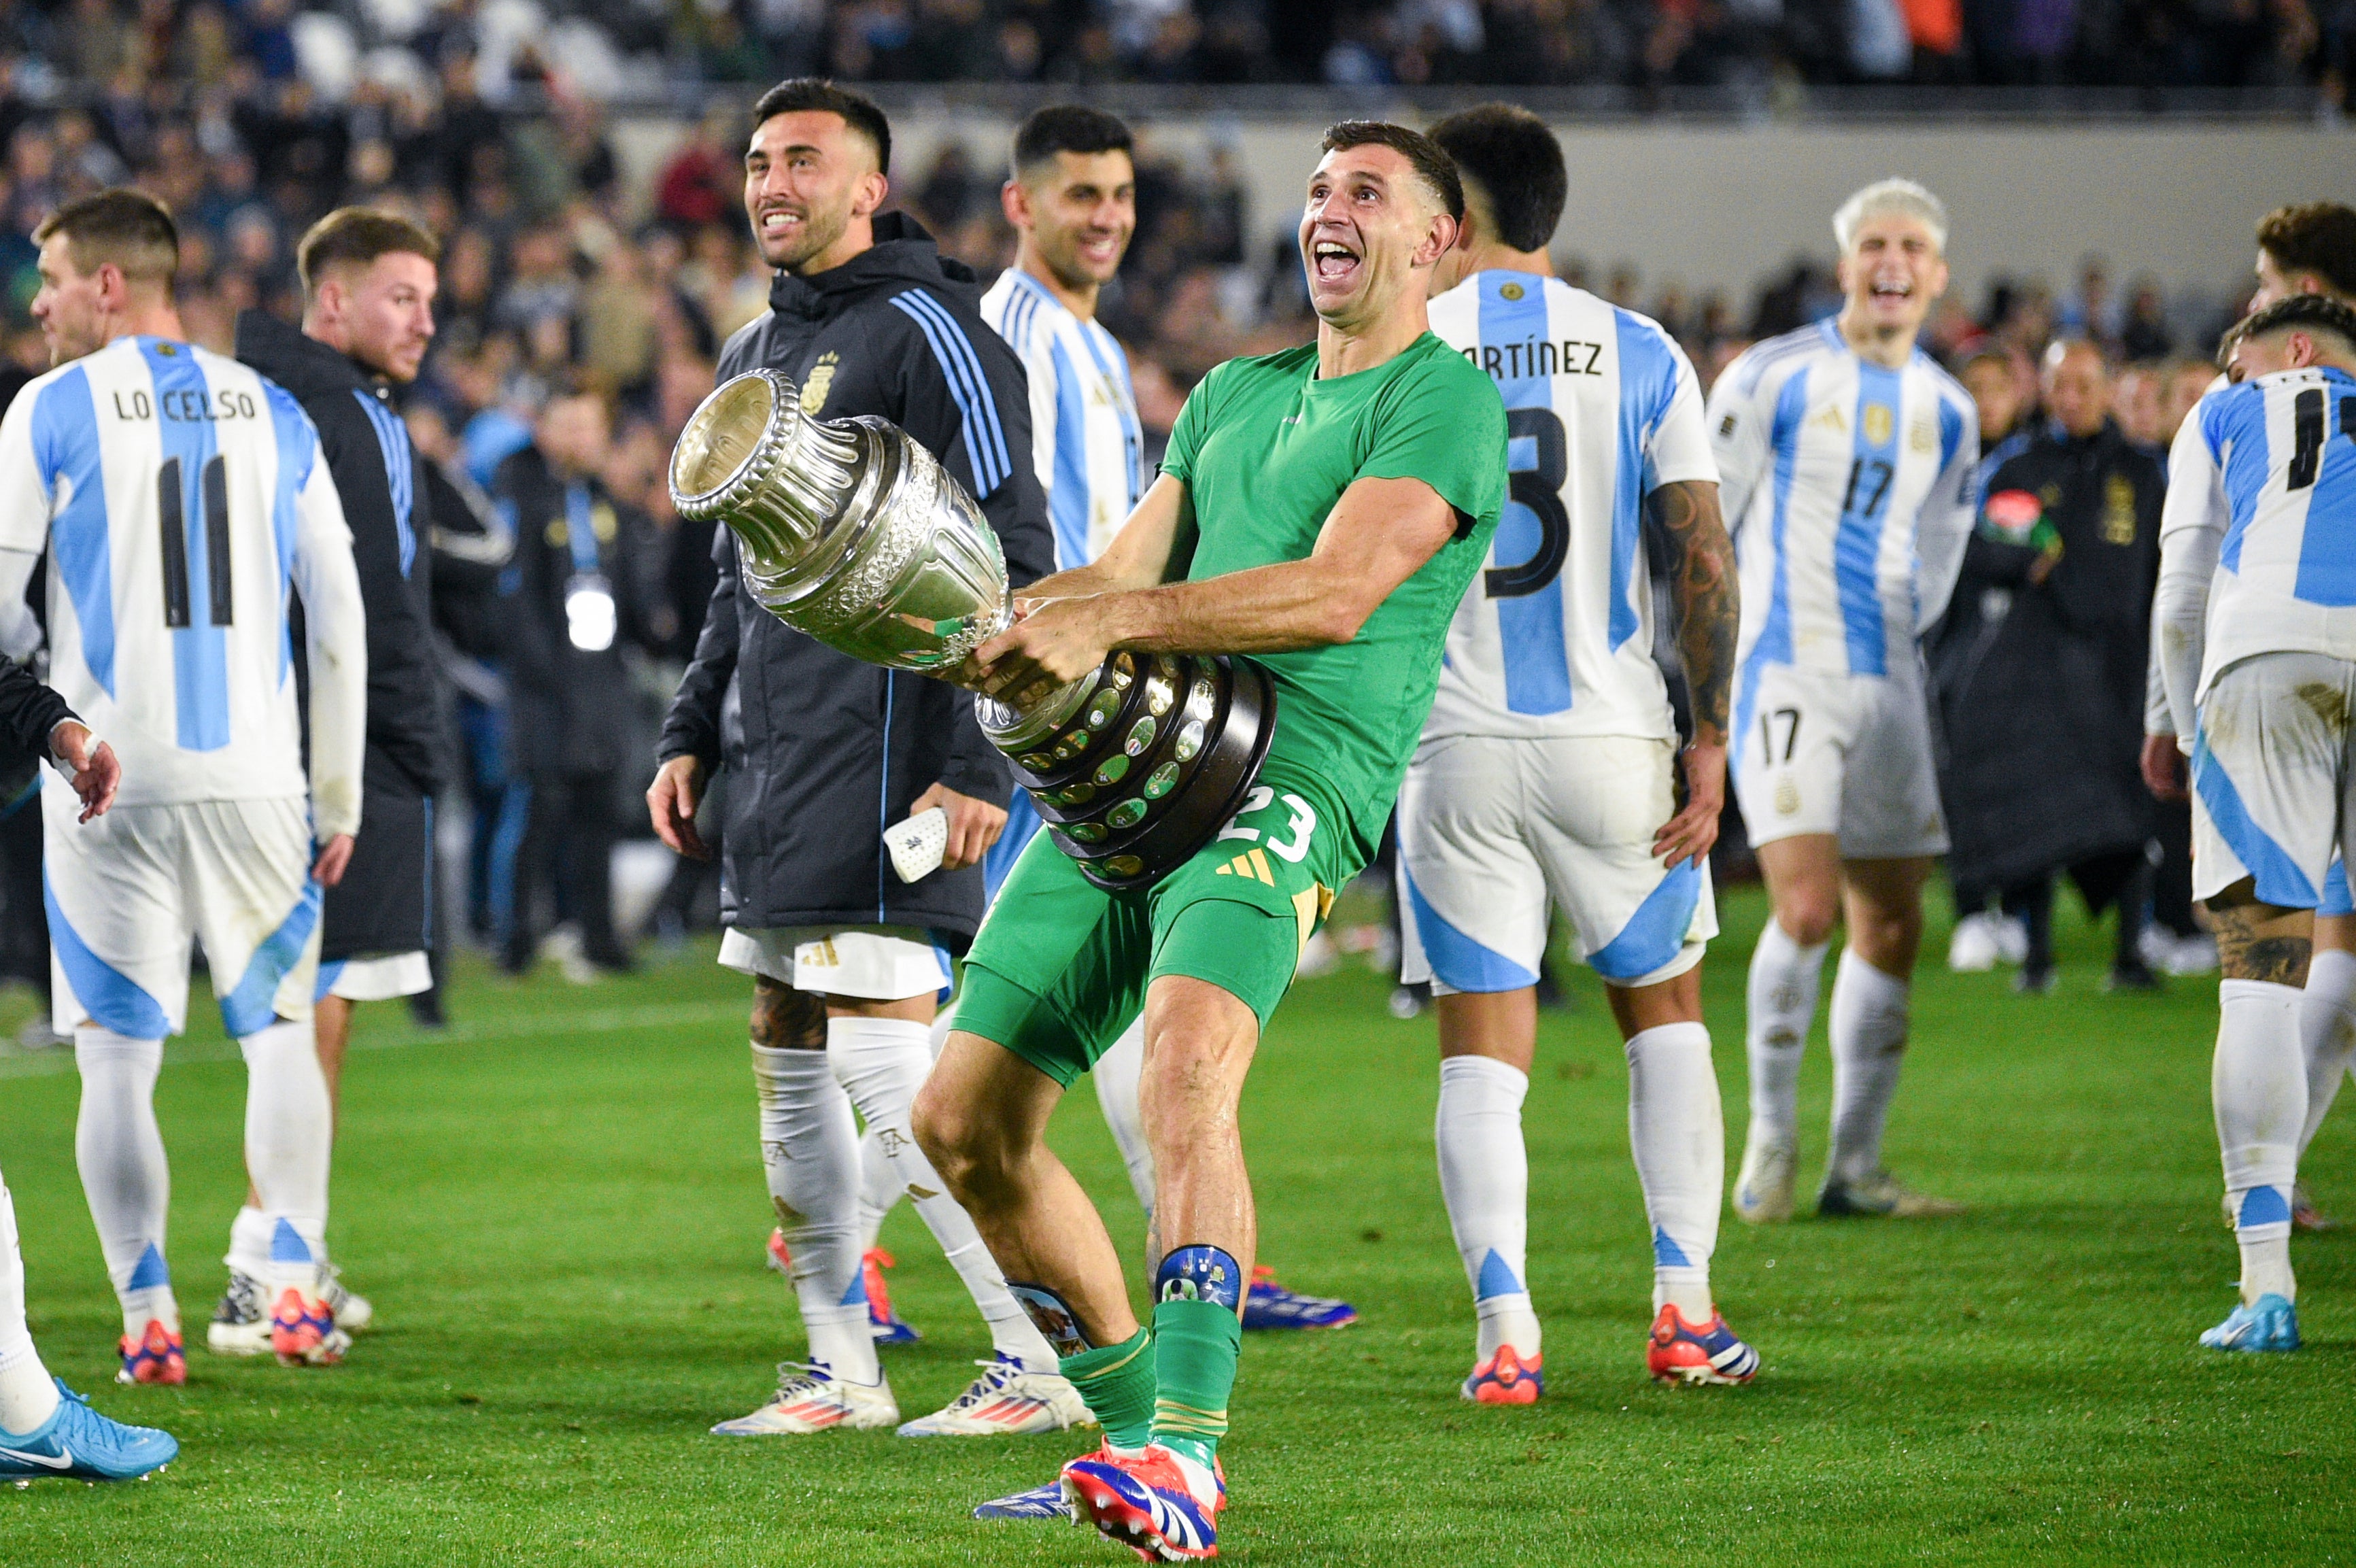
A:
(574, 597)
(2037, 671)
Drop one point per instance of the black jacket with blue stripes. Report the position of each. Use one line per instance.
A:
(823, 752)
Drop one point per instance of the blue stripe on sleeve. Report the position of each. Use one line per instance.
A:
(298, 449)
(985, 437)
(1648, 381)
(400, 471)
(65, 448)
(1530, 626)
(200, 648)
(2237, 418)
(1068, 505)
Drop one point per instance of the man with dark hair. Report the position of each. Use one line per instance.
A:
(2256, 622)
(1522, 797)
(2305, 250)
(1322, 510)
(367, 317)
(140, 461)
(869, 318)
(2309, 247)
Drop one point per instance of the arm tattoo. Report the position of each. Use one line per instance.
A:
(1703, 587)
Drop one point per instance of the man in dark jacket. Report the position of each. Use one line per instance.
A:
(574, 598)
(369, 283)
(2039, 670)
(867, 318)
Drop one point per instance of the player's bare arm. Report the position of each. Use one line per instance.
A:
(96, 773)
(1377, 536)
(1704, 589)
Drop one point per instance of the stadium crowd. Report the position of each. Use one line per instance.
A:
(631, 45)
(559, 276)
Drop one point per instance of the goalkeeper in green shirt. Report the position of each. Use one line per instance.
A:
(1320, 512)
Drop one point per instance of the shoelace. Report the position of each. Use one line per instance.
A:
(995, 1376)
(796, 1378)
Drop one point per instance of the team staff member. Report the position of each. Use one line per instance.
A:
(2042, 702)
(576, 597)
(368, 315)
(867, 318)
(1330, 504)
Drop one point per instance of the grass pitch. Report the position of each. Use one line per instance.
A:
(557, 1209)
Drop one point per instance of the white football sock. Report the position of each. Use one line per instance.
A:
(1484, 1177)
(124, 1177)
(1785, 977)
(881, 1064)
(1677, 1131)
(2259, 1082)
(27, 1397)
(2326, 1028)
(809, 1151)
(880, 1188)
(248, 1242)
(289, 1130)
(1867, 1024)
(810, 1148)
(1117, 1073)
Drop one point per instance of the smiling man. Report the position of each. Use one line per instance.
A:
(1320, 510)
(825, 752)
(368, 317)
(1845, 459)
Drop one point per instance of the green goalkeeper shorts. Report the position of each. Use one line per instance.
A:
(1061, 966)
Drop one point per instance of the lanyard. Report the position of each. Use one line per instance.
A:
(578, 531)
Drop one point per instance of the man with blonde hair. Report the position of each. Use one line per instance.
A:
(1844, 458)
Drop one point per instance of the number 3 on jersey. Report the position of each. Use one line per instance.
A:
(1538, 460)
(1291, 839)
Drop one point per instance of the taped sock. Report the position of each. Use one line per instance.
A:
(1484, 1178)
(289, 1131)
(809, 1150)
(124, 1175)
(1677, 1133)
(2258, 1084)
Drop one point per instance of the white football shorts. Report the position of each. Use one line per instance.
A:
(377, 978)
(127, 892)
(1492, 830)
(1844, 754)
(2273, 777)
(875, 963)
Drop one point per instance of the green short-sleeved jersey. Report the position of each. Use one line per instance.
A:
(1265, 449)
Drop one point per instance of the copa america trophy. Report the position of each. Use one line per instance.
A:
(851, 532)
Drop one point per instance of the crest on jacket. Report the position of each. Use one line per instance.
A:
(819, 382)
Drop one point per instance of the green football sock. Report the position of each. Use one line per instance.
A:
(1195, 1344)
(1117, 1382)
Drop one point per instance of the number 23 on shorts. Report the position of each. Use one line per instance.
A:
(1283, 826)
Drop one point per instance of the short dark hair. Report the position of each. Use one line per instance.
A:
(2312, 312)
(2317, 237)
(1514, 162)
(129, 228)
(816, 94)
(1068, 128)
(358, 236)
(1431, 166)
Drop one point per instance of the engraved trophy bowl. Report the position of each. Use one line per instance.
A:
(851, 532)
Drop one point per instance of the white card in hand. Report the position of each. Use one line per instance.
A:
(919, 844)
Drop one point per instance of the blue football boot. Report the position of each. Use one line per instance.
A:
(77, 1444)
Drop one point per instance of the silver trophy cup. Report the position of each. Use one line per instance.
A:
(851, 532)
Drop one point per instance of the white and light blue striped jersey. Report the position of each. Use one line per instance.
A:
(180, 495)
(1555, 636)
(1085, 437)
(1848, 488)
(2277, 456)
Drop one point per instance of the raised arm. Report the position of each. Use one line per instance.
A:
(1378, 534)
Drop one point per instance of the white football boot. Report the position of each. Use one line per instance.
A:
(1973, 949)
(353, 1311)
(1005, 1401)
(810, 1398)
(1762, 1192)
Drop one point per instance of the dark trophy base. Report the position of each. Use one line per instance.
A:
(1156, 757)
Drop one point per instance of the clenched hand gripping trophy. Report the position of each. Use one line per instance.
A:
(849, 531)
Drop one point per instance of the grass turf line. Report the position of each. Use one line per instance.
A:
(561, 1229)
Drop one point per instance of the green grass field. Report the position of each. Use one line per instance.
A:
(557, 1209)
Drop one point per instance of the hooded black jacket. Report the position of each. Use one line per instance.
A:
(378, 477)
(830, 751)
